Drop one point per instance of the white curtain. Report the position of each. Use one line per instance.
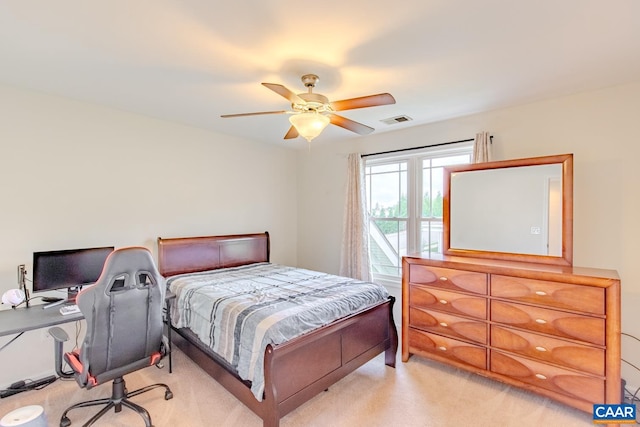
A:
(482, 148)
(354, 259)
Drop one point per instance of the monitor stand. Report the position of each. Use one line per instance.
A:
(54, 304)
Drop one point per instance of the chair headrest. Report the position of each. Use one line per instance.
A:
(128, 268)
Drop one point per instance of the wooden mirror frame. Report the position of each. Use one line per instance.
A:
(566, 160)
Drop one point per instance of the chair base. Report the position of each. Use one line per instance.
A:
(119, 397)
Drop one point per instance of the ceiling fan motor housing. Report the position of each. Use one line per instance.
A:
(313, 102)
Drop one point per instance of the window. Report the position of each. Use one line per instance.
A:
(404, 202)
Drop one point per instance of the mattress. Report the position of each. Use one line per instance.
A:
(238, 311)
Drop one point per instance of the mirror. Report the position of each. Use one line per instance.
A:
(520, 210)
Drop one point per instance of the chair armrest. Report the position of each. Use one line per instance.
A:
(58, 334)
(59, 337)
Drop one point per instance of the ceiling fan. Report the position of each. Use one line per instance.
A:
(312, 112)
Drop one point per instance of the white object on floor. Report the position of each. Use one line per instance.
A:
(27, 416)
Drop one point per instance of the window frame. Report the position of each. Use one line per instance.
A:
(415, 191)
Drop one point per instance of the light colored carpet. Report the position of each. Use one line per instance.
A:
(417, 393)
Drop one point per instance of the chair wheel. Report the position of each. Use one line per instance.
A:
(168, 395)
(65, 422)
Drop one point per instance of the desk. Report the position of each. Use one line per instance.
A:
(23, 319)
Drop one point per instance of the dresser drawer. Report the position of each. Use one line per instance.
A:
(448, 278)
(450, 302)
(554, 322)
(587, 299)
(447, 324)
(459, 351)
(549, 377)
(566, 353)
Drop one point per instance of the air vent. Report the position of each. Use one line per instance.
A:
(397, 119)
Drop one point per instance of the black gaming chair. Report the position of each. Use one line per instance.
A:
(123, 311)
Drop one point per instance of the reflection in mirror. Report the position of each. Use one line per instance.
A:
(508, 210)
(517, 209)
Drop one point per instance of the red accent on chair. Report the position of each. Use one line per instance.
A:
(91, 379)
(73, 359)
(155, 358)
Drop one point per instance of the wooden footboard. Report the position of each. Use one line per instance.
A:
(298, 370)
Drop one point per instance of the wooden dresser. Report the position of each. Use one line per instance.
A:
(553, 330)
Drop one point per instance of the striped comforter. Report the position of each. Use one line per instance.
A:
(238, 311)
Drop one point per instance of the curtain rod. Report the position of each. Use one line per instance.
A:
(424, 146)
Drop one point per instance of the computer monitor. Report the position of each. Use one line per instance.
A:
(68, 269)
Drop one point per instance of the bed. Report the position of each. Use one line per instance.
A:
(294, 371)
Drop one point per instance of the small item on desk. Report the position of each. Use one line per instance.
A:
(51, 299)
(69, 309)
(54, 304)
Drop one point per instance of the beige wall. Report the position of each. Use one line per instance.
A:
(601, 129)
(74, 175)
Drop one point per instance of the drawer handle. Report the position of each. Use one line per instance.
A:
(541, 293)
(444, 301)
(444, 324)
(541, 377)
(444, 279)
(541, 321)
(442, 348)
(541, 348)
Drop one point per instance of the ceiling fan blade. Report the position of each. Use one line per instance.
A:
(283, 91)
(253, 114)
(351, 125)
(363, 102)
(292, 133)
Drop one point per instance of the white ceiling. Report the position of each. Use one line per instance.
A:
(190, 61)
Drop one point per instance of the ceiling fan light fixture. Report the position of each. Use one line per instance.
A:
(309, 124)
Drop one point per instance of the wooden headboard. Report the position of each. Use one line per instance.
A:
(190, 254)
